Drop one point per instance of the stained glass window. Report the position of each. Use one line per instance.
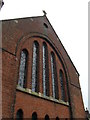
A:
(62, 86)
(45, 71)
(35, 67)
(22, 71)
(54, 76)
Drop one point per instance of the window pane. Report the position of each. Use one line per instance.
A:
(35, 66)
(34, 116)
(19, 115)
(47, 117)
(53, 75)
(62, 86)
(22, 72)
(45, 71)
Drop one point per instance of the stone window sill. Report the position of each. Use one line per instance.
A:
(40, 95)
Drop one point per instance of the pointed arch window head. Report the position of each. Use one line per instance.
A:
(45, 70)
(62, 85)
(35, 67)
(54, 76)
(23, 68)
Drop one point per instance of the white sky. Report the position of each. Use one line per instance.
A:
(70, 21)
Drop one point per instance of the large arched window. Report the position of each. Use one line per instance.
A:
(34, 116)
(45, 71)
(19, 115)
(54, 76)
(62, 85)
(23, 68)
(35, 68)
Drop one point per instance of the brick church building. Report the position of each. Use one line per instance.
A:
(39, 80)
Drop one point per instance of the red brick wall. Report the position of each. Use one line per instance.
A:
(30, 104)
(77, 102)
(8, 84)
(0, 83)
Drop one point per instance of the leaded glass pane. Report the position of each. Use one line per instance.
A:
(22, 71)
(35, 67)
(62, 86)
(53, 75)
(44, 70)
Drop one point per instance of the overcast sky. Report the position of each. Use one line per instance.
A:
(70, 21)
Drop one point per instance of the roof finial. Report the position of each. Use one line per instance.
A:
(1, 3)
(44, 12)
